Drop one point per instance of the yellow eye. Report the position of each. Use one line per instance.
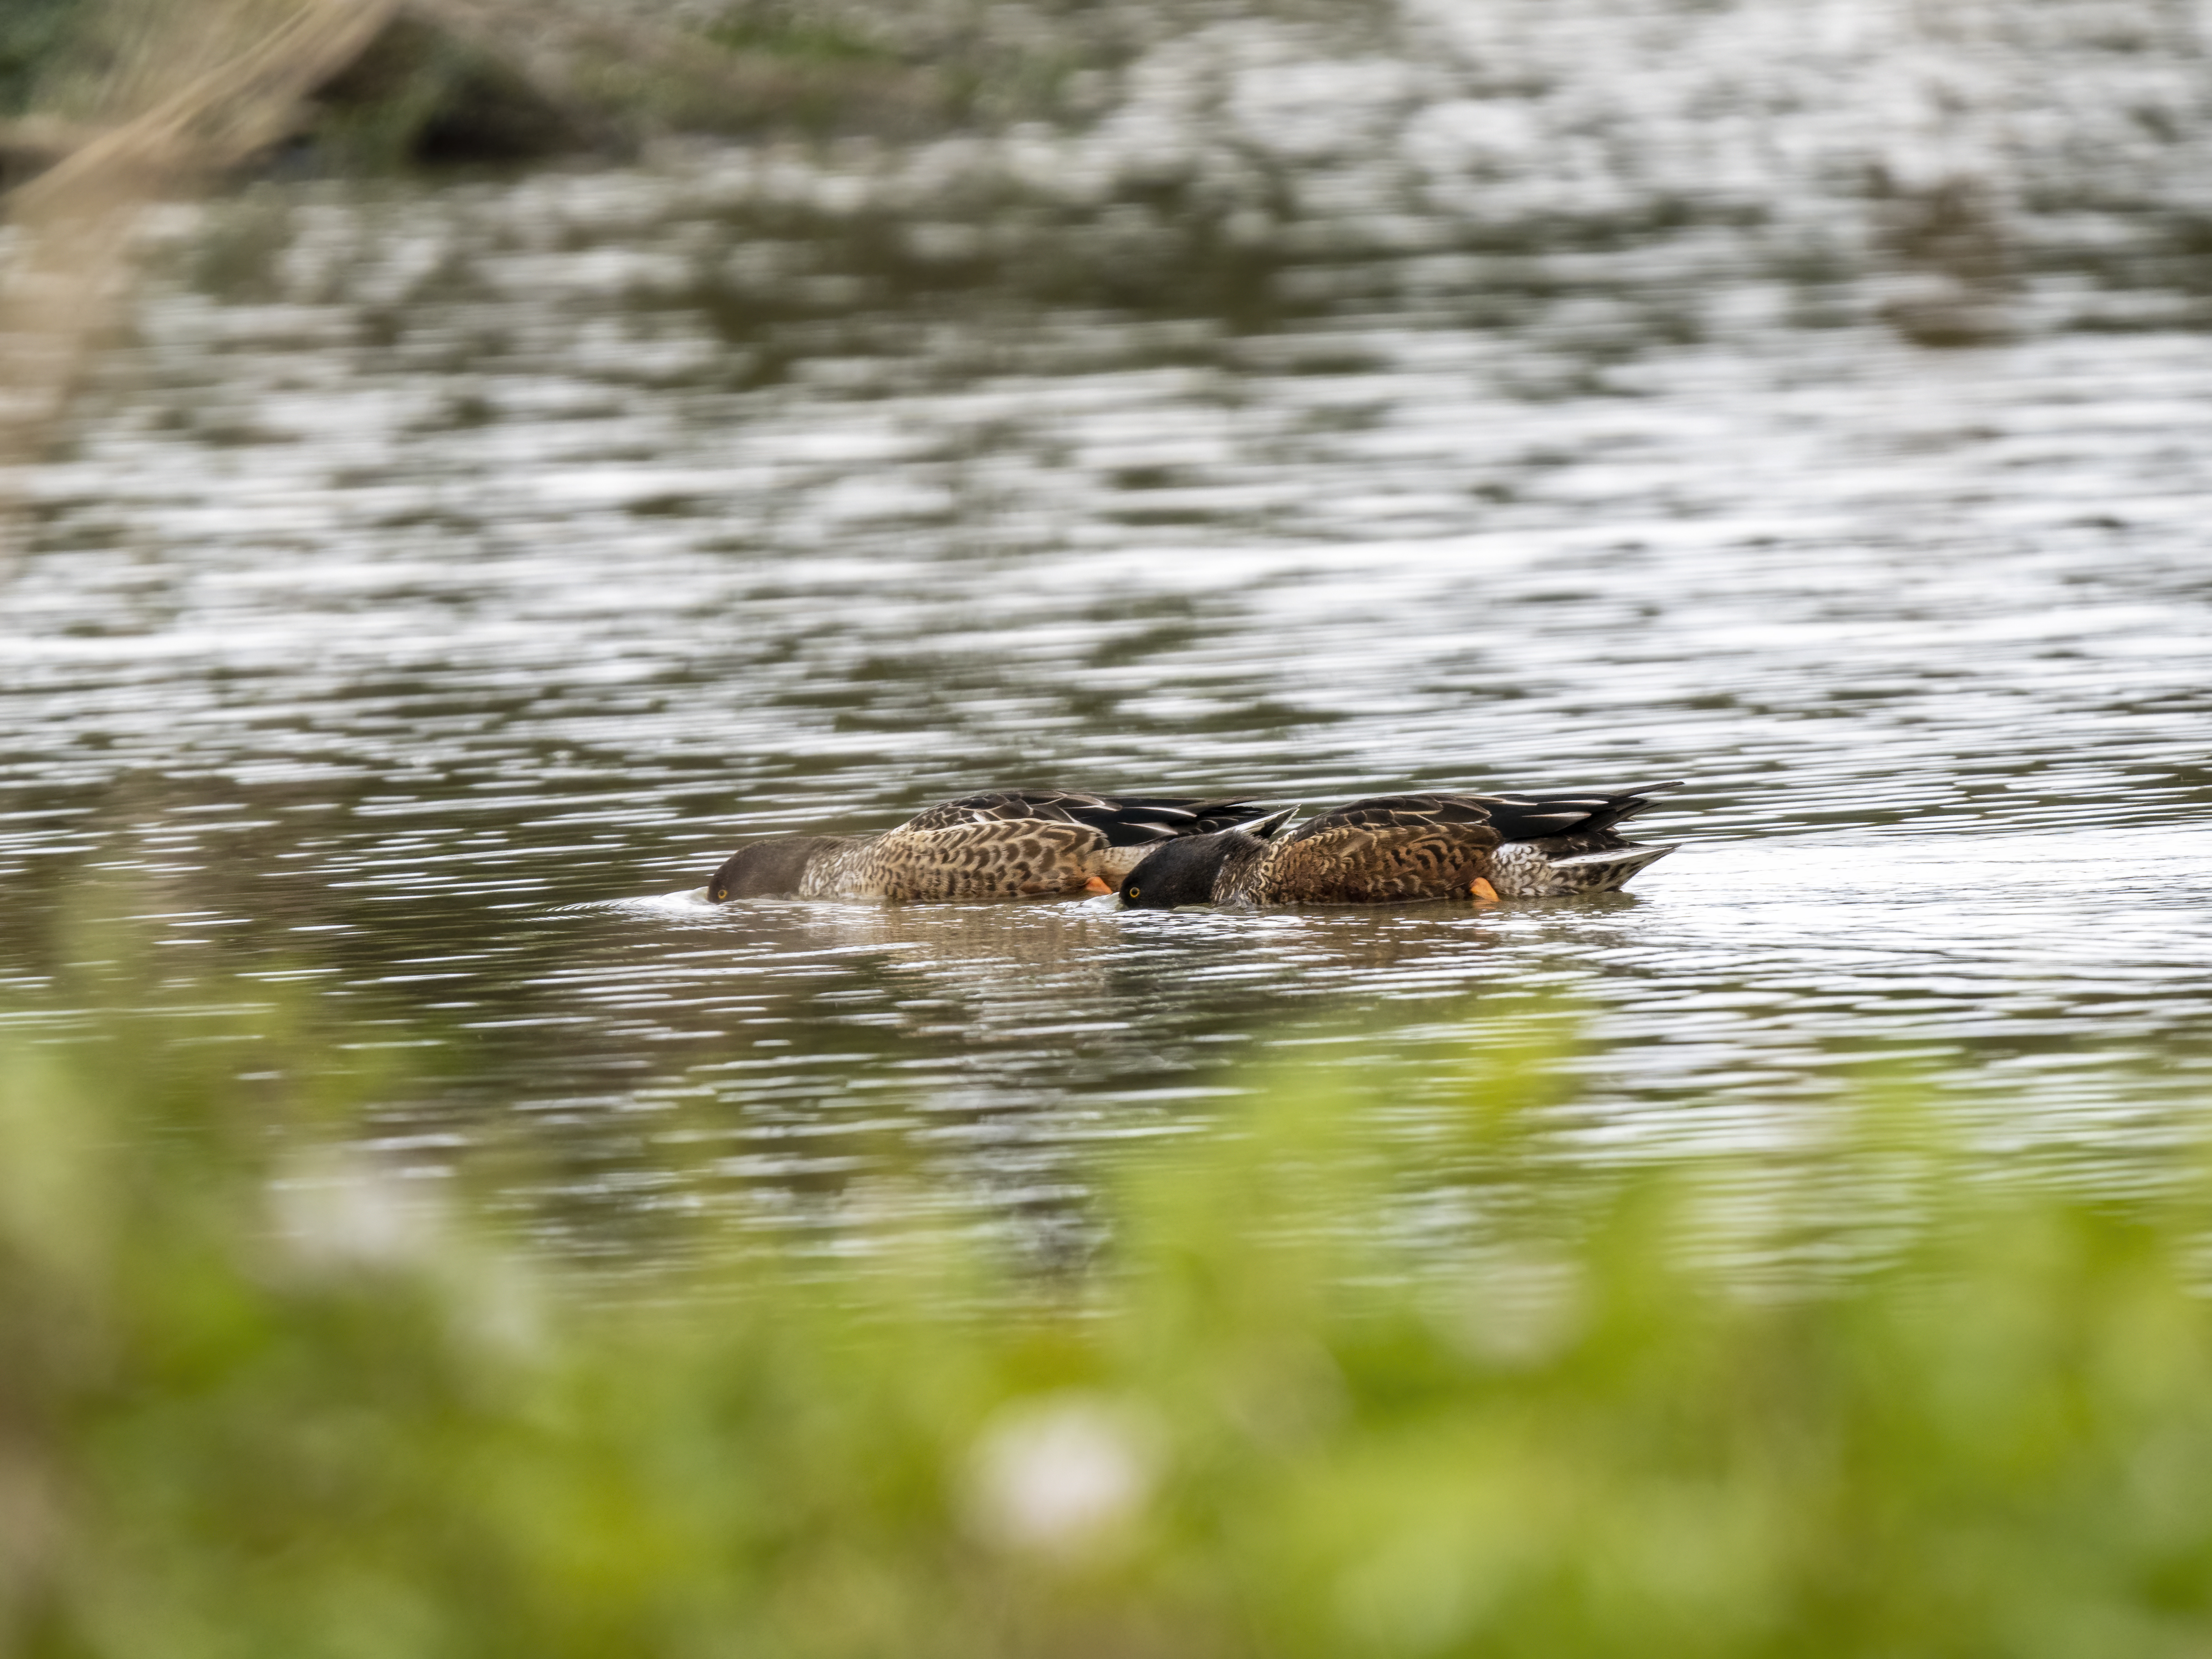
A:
(721, 893)
(1132, 892)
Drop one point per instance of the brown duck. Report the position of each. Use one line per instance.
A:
(1394, 849)
(1014, 844)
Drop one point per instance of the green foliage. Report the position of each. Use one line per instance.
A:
(790, 32)
(30, 33)
(1348, 1381)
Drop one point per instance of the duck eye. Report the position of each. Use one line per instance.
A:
(1132, 892)
(721, 893)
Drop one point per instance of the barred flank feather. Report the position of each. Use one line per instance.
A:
(1009, 844)
(1398, 848)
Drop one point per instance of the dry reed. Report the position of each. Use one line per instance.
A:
(191, 90)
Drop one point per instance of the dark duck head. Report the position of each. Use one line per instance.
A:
(767, 869)
(1183, 870)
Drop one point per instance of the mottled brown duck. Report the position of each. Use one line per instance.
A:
(1017, 843)
(1397, 849)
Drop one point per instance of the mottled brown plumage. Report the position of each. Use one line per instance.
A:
(1012, 844)
(1393, 849)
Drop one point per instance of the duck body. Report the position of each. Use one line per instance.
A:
(1399, 849)
(1011, 844)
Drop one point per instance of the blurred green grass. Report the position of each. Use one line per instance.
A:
(1342, 1382)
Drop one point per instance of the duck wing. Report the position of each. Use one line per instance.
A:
(1123, 820)
(1581, 821)
(1443, 812)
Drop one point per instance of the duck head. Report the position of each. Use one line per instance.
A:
(1182, 871)
(767, 869)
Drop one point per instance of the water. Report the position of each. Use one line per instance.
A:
(445, 578)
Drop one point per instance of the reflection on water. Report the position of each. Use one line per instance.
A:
(426, 613)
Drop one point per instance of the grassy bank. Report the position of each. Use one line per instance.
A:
(1343, 1383)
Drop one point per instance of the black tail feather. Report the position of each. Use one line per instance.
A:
(1584, 817)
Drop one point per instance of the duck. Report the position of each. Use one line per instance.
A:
(1013, 843)
(1396, 849)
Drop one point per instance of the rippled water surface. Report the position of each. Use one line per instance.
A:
(431, 659)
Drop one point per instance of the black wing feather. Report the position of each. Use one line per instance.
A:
(1380, 811)
(1586, 816)
(1125, 820)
